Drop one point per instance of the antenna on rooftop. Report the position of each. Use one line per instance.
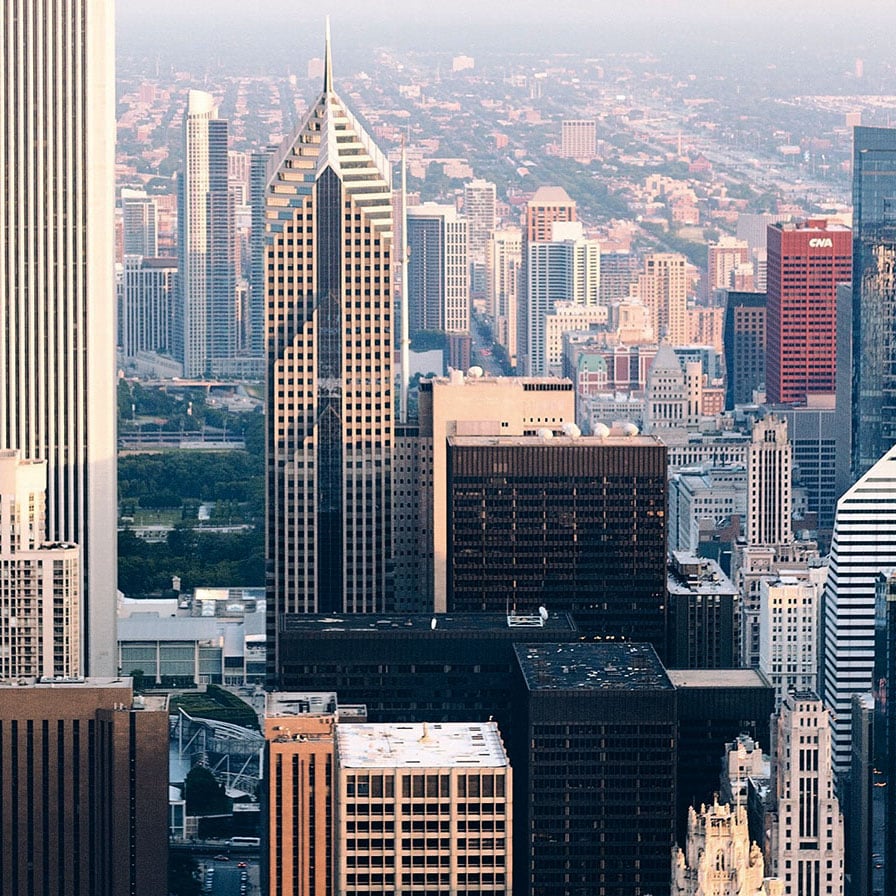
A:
(328, 62)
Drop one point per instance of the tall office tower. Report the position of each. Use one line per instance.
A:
(298, 797)
(595, 770)
(495, 406)
(873, 296)
(502, 282)
(788, 630)
(139, 223)
(57, 387)
(719, 857)
(863, 544)
(769, 472)
(568, 523)
(328, 234)
(423, 808)
(618, 270)
(663, 289)
(806, 261)
(877, 753)
(565, 268)
(722, 259)
(547, 206)
(578, 140)
(207, 331)
(438, 269)
(258, 183)
(146, 305)
(39, 602)
(744, 343)
(480, 201)
(805, 841)
(83, 789)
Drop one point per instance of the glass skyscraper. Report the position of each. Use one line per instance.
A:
(874, 296)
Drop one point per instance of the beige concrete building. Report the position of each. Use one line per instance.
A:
(770, 472)
(719, 859)
(423, 808)
(566, 317)
(578, 140)
(40, 632)
(663, 288)
(674, 392)
(457, 405)
(805, 827)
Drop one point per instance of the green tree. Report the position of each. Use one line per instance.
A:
(183, 875)
(204, 795)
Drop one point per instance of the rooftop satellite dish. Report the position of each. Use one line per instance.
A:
(434, 623)
(543, 612)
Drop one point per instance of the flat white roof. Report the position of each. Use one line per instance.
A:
(421, 745)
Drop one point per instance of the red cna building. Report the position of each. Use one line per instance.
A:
(806, 261)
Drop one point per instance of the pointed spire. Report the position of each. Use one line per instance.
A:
(328, 62)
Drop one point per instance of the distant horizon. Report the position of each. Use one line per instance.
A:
(274, 31)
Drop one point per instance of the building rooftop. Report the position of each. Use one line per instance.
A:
(422, 622)
(280, 704)
(550, 196)
(591, 666)
(721, 678)
(425, 745)
(579, 441)
(690, 574)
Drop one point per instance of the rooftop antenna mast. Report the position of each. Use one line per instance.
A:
(328, 61)
(405, 313)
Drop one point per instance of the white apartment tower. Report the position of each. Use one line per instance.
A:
(565, 268)
(770, 472)
(57, 333)
(863, 545)
(804, 845)
(328, 242)
(147, 293)
(438, 269)
(502, 276)
(139, 223)
(480, 200)
(40, 629)
(207, 328)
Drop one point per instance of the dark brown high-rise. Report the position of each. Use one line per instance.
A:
(83, 790)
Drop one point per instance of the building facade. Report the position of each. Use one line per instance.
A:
(769, 484)
(83, 789)
(40, 608)
(663, 288)
(596, 792)
(873, 364)
(503, 269)
(147, 305)
(578, 139)
(208, 331)
(438, 269)
(330, 342)
(480, 199)
(568, 523)
(863, 545)
(744, 342)
(423, 808)
(139, 224)
(57, 312)
(806, 261)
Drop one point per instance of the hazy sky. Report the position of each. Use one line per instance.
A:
(259, 28)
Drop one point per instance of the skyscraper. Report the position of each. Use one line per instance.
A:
(744, 339)
(503, 263)
(329, 333)
(663, 288)
(207, 331)
(578, 140)
(806, 261)
(140, 230)
(873, 296)
(863, 545)
(57, 334)
(769, 472)
(146, 305)
(480, 212)
(438, 269)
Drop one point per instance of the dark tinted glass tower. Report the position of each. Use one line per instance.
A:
(744, 338)
(574, 524)
(874, 296)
